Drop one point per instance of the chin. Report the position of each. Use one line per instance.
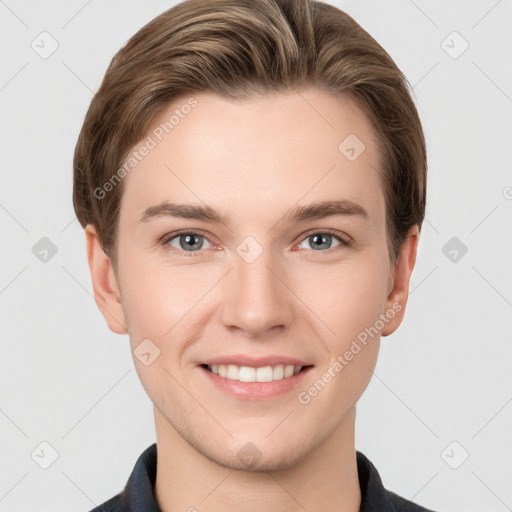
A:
(252, 459)
(262, 453)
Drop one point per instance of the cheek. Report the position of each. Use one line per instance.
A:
(156, 303)
(350, 308)
(159, 300)
(347, 299)
(167, 306)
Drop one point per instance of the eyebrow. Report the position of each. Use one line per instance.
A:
(299, 213)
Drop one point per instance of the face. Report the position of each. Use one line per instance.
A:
(269, 259)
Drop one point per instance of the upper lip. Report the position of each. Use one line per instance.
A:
(255, 362)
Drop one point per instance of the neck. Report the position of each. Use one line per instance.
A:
(326, 478)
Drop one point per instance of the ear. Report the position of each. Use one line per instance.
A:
(398, 291)
(104, 282)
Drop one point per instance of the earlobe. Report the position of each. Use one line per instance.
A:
(399, 283)
(106, 290)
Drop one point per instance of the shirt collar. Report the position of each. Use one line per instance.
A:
(139, 492)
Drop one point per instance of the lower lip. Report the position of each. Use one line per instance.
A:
(255, 390)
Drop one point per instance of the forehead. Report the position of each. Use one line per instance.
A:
(277, 151)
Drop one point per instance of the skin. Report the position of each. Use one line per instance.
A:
(255, 160)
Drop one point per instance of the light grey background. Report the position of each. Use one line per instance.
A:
(443, 377)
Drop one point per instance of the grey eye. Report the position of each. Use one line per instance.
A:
(319, 241)
(188, 242)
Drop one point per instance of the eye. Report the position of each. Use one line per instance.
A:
(321, 240)
(185, 242)
(191, 242)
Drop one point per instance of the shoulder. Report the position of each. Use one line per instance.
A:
(375, 497)
(402, 505)
(115, 504)
(138, 492)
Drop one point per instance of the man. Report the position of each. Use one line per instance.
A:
(251, 178)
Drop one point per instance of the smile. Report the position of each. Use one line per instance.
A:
(250, 374)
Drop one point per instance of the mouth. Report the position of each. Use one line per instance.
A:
(268, 373)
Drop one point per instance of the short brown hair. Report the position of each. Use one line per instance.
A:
(239, 49)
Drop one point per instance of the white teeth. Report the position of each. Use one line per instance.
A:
(265, 374)
(288, 370)
(278, 372)
(249, 374)
(232, 372)
(245, 374)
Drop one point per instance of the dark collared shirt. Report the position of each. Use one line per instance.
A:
(139, 492)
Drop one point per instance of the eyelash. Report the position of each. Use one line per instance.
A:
(344, 242)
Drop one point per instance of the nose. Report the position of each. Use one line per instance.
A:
(257, 297)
